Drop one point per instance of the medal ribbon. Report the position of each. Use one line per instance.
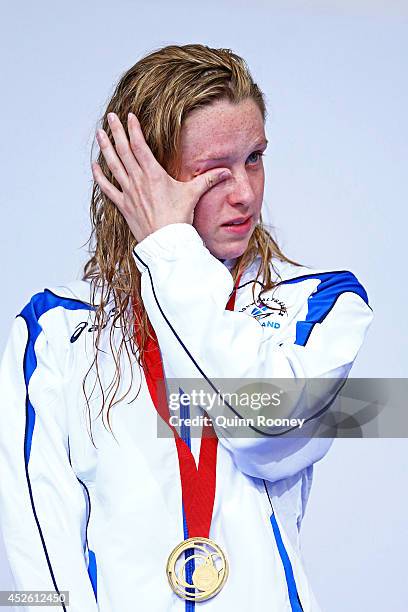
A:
(197, 485)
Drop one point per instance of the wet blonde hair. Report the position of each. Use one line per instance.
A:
(161, 89)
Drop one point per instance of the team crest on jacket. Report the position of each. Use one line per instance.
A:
(269, 306)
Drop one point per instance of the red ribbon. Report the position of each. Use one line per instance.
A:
(197, 485)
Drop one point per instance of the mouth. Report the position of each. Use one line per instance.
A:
(238, 226)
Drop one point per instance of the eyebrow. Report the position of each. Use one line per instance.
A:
(262, 143)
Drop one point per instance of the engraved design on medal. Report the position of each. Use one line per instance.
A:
(210, 573)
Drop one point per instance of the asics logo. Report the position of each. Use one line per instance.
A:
(83, 324)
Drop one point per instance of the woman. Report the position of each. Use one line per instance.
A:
(184, 283)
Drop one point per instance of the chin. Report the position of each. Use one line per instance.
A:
(229, 252)
(223, 247)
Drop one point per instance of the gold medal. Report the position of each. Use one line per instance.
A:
(209, 576)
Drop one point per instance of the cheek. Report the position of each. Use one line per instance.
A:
(258, 188)
(259, 185)
(205, 212)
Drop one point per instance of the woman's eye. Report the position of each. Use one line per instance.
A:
(257, 154)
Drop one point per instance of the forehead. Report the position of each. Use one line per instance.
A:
(221, 130)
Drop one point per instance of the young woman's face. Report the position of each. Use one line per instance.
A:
(230, 136)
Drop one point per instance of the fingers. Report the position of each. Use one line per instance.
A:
(125, 160)
(122, 145)
(140, 148)
(112, 160)
(205, 181)
(106, 186)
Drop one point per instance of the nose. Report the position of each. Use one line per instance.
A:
(239, 189)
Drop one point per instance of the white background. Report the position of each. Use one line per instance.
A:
(336, 192)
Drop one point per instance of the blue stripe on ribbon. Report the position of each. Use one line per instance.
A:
(190, 565)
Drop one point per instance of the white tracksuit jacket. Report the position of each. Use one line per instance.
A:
(101, 522)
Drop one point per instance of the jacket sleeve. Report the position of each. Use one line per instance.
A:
(43, 509)
(185, 290)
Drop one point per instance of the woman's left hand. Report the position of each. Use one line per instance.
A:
(149, 198)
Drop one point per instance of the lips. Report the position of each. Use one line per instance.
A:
(238, 229)
(237, 221)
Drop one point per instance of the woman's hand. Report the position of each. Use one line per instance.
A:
(149, 198)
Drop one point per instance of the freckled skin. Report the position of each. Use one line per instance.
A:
(236, 132)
